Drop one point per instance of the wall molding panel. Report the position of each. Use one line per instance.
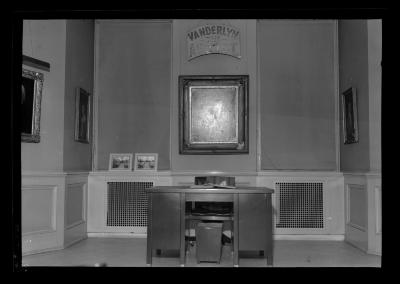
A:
(363, 211)
(356, 195)
(34, 209)
(61, 199)
(75, 207)
(374, 182)
(48, 212)
(378, 209)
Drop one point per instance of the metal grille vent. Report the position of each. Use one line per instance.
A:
(127, 204)
(299, 205)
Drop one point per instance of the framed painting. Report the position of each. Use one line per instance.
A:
(120, 162)
(349, 108)
(146, 161)
(213, 114)
(82, 115)
(31, 97)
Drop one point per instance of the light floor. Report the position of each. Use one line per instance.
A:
(131, 252)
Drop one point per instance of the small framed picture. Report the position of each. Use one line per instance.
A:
(349, 108)
(82, 115)
(120, 162)
(146, 161)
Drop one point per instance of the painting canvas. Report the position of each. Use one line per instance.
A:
(31, 96)
(213, 117)
(213, 114)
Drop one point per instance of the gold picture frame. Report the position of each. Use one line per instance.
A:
(213, 114)
(31, 97)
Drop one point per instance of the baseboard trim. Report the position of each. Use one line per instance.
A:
(75, 241)
(116, 235)
(42, 250)
(374, 252)
(309, 237)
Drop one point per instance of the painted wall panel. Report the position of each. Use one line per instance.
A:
(133, 88)
(42, 211)
(46, 40)
(353, 72)
(74, 207)
(38, 210)
(297, 94)
(78, 73)
(357, 206)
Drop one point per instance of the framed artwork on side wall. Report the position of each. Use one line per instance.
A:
(31, 97)
(350, 116)
(82, 115)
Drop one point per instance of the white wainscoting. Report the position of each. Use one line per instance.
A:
(363, 211)
(42, 211)
(75, 207)
(333, 198)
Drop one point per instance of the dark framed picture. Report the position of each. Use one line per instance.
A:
(146, 161)
(350, 117)
(213, 114)
(82, 115)
(31, 97)
(120, 162)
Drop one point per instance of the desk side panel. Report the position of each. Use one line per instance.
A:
(253, 215)
(165, 221)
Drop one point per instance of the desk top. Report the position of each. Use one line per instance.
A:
(187, 189)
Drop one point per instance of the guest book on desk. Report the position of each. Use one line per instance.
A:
(208, 182)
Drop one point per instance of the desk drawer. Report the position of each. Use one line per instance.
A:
(217, 197)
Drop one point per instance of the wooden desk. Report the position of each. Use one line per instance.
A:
(252, 218)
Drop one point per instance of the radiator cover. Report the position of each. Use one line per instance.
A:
(299, 205)
(127, 204)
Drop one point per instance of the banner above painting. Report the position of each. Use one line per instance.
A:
(213, 39)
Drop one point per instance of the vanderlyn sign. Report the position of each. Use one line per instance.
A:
(213, 39)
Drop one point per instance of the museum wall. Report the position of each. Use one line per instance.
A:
(46, 40)
(133, 77)
(353, 72)
(137, 75)
(294, 79)
(78, 73)
(297, 94)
